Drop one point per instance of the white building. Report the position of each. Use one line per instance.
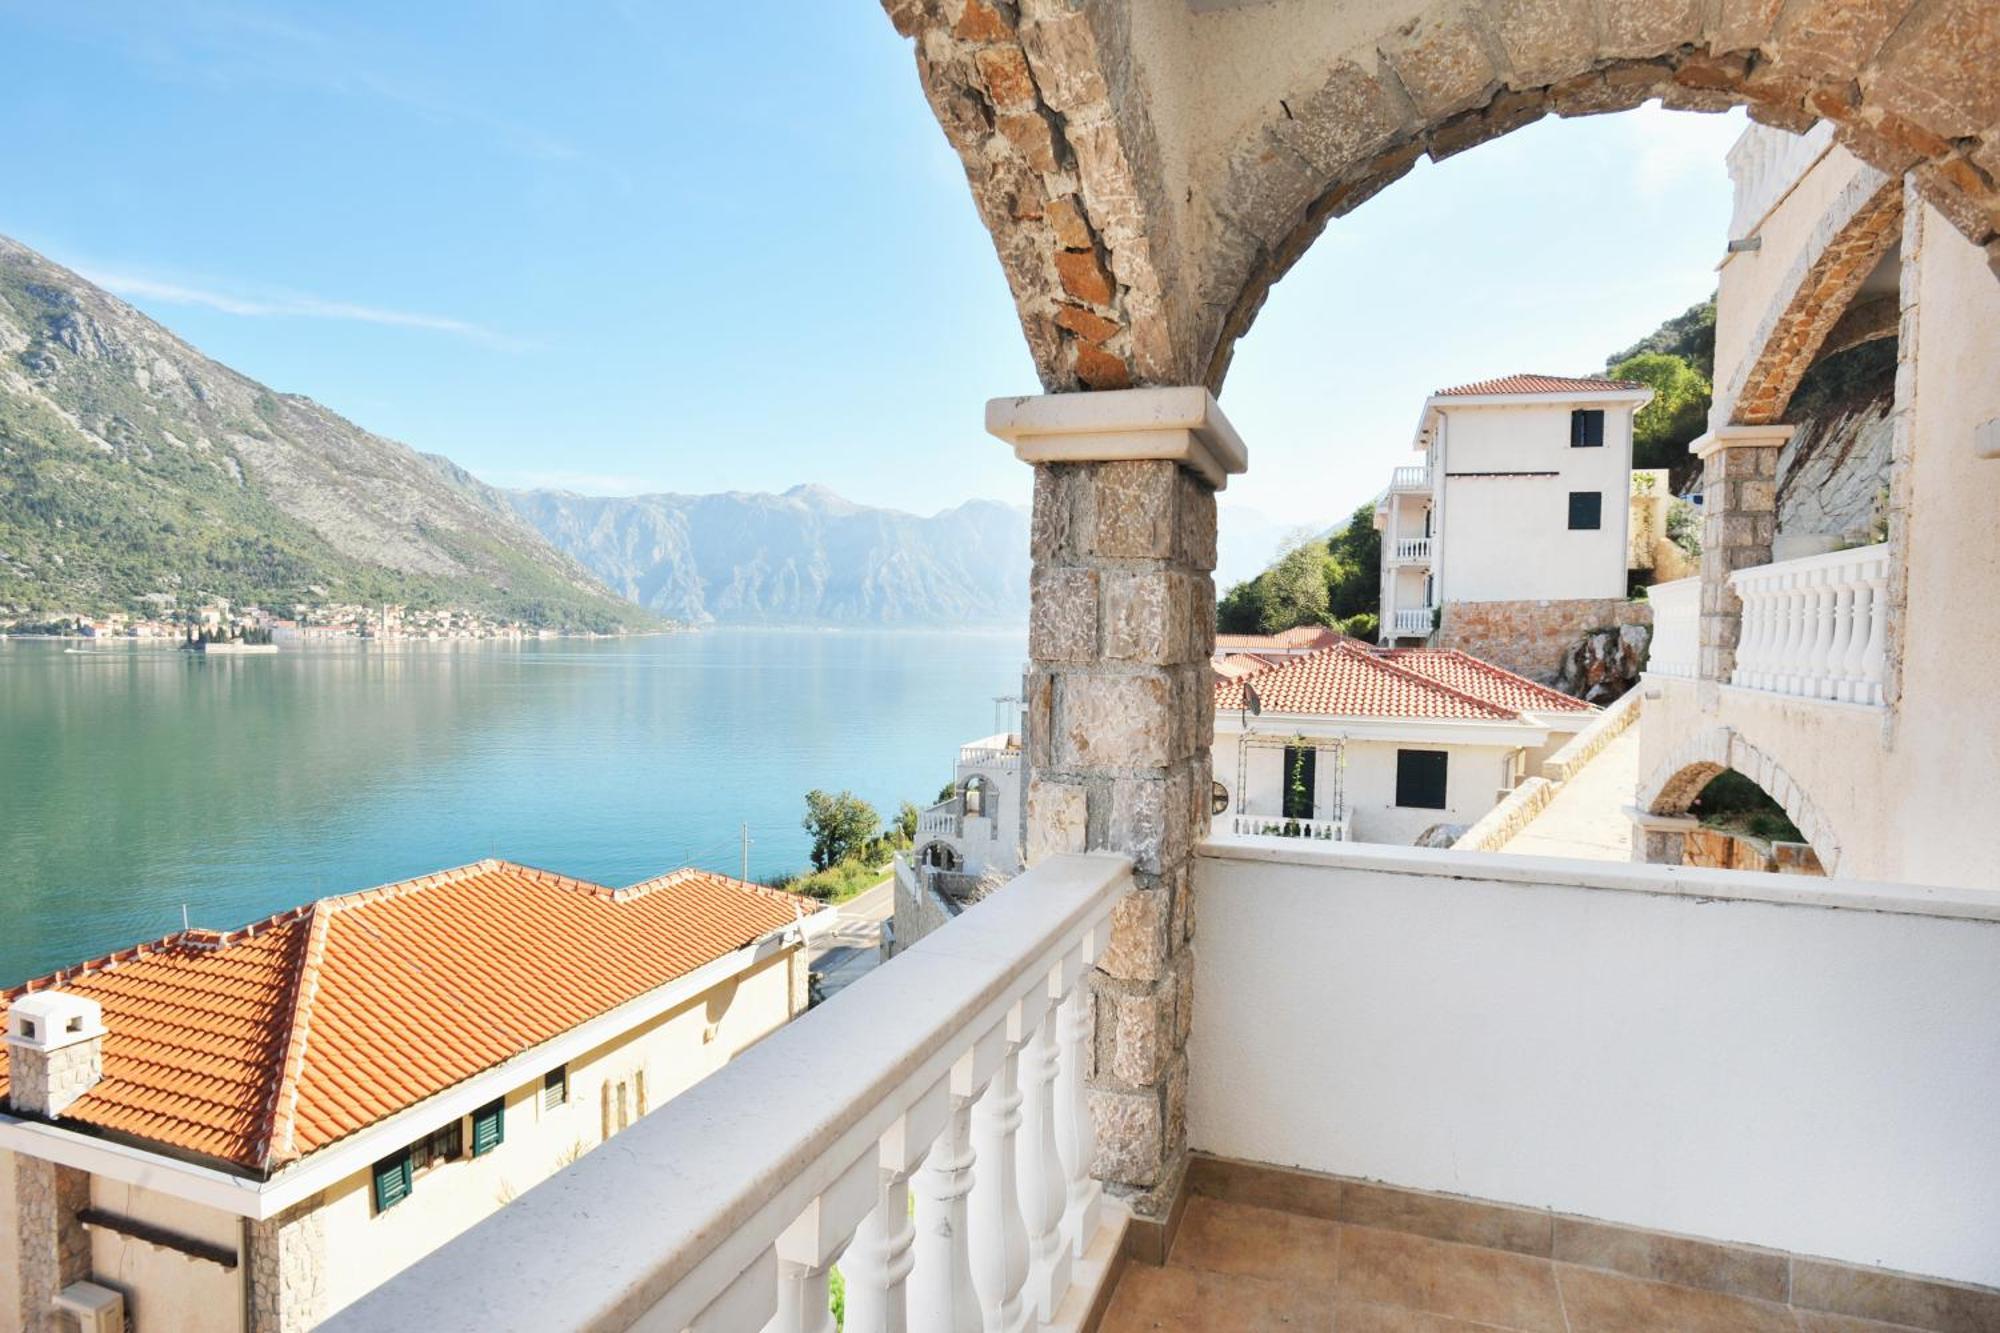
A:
(1362, 744)
(965, 843)
(1510, 537)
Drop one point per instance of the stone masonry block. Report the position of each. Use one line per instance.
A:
(1545, 40)
(1139, 947)
(1057, 817)
(1141, 1033)
(1055, 526)
(1444, 61)
(1131, 1136)
(1114, 722)
(1062, 615)
(1144, 823)
(1134, 509)
(1039, 723)
(1146, 617)
(1758, 497)
(1196, 523)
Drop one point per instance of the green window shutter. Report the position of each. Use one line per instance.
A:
(392, 1180)
(489, 1127)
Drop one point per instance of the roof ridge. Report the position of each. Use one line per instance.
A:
(277, 1117)
(1417, 677)
(1495, 668)
(190, 937)
(396, 888)
(668, 878)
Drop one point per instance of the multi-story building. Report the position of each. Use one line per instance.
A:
(1510, 538)
(967, 843)
(249, 1129)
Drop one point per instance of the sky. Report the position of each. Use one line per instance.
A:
(624, 247)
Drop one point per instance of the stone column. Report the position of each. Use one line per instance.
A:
(287, 1270)
(1120, 721)
(54, 1247)
(1740, 521)
(1659, 839)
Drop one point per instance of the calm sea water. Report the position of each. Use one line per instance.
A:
(135, 780)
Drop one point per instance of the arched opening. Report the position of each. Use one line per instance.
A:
(1720, 801)
(977, 797)
(940, 856)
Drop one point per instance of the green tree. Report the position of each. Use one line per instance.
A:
(906, 822)
(1676, 417)
(840, 824)
(1295, 589)
(1354, 568)
(1689, 335)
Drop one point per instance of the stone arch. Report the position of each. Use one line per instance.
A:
(940, 855)
(1674, 784)
(1858, 229)
(977, 797)
(1140, 235)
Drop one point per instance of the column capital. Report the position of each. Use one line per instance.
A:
(1184, 425)
(1648, 822)
(1741, 437)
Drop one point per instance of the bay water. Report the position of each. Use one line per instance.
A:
(136, 780)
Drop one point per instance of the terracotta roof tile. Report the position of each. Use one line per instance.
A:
(264, 1044)
(1532, 383)
(1475, 676)
(1349, 680)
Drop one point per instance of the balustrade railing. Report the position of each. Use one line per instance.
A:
(990, 756)
(1675, 649)
(1280, 826)
(1814, 627)
(940, 821)
(953, 1073)
(1411, 549)
(1414, 620)
(1764, 164)
(1415, 477)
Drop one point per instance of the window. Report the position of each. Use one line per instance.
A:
(1586, 509)
(1298, 777)
(555, 1087)
(489, 1127)
(975, 797)
(1420, 779)
(392, 1180)
(440, 1145)
(1586, 428)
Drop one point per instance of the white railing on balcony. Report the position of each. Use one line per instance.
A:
(1765, 163)
(1415, 477)
(940, 821)
(1814, 627)
(1408, 549)
(953, 1072)
(1414, 620)
(1676, 643)
(1279, 826)
(990, 756)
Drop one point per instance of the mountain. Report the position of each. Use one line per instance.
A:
(807, 557)
(131, 466)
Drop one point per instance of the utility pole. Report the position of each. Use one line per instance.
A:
(745, 876)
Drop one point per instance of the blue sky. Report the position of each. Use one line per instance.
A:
(628, 246)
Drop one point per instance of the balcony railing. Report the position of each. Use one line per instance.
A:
(1406, 550)
(1413, 620)
(1764, 164)
(940, 821)
(1814, 627)
(954, 1073)
(990, 756)
(1280, 826)
(1676, 644)
(1415, 477)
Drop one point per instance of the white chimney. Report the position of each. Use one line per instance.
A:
(55, 1051)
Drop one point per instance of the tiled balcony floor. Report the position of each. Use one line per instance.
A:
(1236, 1267)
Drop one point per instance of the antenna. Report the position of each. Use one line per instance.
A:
(1250, 698)
(745, 876)
(184, 919)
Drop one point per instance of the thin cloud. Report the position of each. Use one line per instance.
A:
(292, 306)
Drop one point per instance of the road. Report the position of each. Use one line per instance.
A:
(852, 946)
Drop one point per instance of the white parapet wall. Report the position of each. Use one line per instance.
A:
(1798, 1063)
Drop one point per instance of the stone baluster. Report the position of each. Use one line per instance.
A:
(997, 1231)
(940, 1283)
(804, 1299)
(1764, 624)
(1751, 596)
(1872, 658)
(1861, 613)
(879, 1261)
(1042, 1182)
(1819, 653)
(1790, 678)
(1076, 1136)
(809, 1247)
(1839, 685)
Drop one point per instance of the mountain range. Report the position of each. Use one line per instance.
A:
(134, 470)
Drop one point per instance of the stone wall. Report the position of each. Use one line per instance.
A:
(46, 1082)
(287, 1270)
(1530, 637)
(54, 1247)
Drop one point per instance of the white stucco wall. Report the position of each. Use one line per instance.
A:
(164, 1288)
(10, 1250)
(1621, 1042)
(1508, 538)
(1909, 797)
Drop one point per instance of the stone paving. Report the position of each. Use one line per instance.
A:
(1586, 819)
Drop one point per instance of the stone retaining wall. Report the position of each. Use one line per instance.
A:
(1499, 825)
(1529, 637)
(1587, 744)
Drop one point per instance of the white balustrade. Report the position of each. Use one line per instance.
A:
(1676, 643)
(1413, 478)
(940, 820)
(953, 1073)
(1006, 759)
(1414, 620)
(1764, 164)
(1411, 549)
(1281, 826)
(1813, 627)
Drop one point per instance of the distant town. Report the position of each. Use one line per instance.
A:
(217, 620)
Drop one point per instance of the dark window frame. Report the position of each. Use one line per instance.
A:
(1587, 516)
(391, 1181)
(1413, 784)
(1586, 428)
(489, 1127)
(556, 1081)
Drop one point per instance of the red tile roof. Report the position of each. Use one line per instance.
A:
(1531, 383)
(1299, 636)
(1471, 675)
(260, 1045)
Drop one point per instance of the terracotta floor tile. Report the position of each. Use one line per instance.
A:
(1192, 1300)
(1256, 1242)
(1600, 1302)
(1441, 1278)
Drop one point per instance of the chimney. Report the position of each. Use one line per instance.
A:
(55, 1051)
